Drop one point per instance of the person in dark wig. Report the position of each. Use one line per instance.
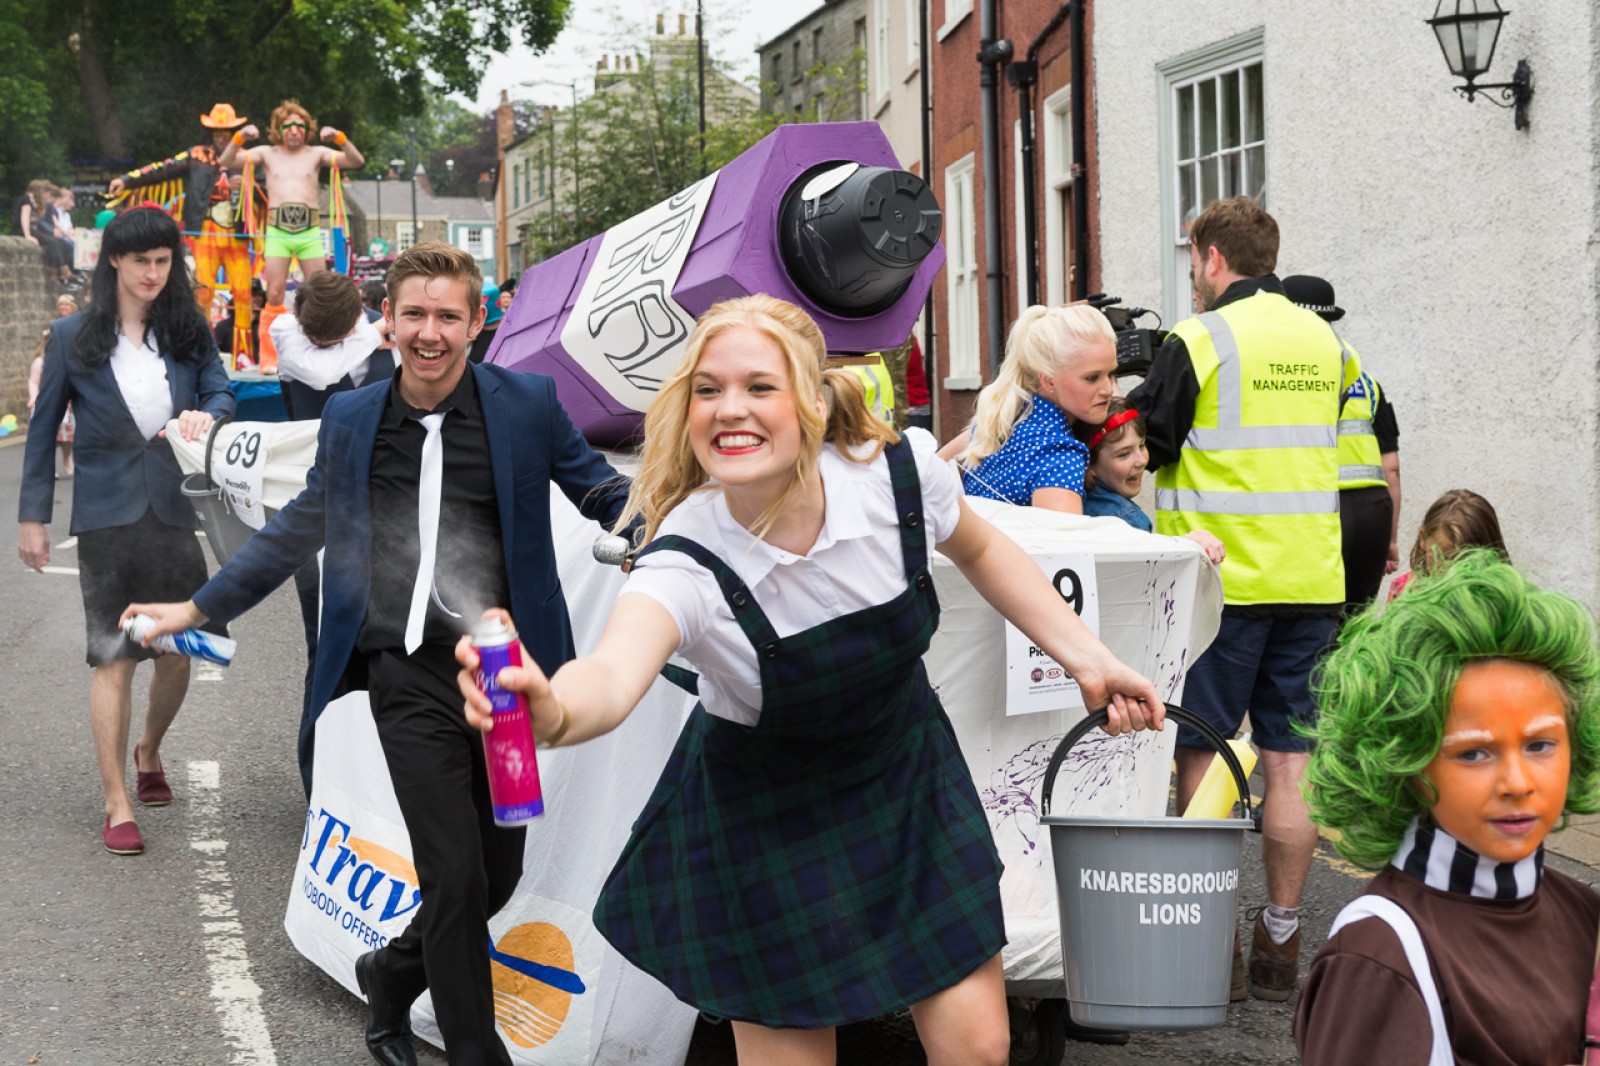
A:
(140, 355)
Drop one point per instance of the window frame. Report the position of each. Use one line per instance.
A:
(878, 65)
(963, 340)
(1059, 180)
(955, 12)
(913, 35)
(1192, 68)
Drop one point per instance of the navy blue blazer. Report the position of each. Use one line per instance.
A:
(119, 474)
(532, 442)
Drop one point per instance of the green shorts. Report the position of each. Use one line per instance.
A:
(307, 244)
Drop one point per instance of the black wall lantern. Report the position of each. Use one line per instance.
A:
(1467, 31)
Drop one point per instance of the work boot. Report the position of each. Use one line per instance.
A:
(1274, 968)
(1237, 989)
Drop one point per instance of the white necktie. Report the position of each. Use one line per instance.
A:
(428, 487)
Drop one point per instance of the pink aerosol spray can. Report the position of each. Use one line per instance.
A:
(508, 747)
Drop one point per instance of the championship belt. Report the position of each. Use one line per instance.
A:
(295, 218)
(222, 213)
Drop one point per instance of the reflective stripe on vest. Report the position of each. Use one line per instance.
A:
(1360, 463)
(1259, 466)
(878, 387)
(1254, 503)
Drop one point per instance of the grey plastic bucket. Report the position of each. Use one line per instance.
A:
(1148, 906)
(225, 531)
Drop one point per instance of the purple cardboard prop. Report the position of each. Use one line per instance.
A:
(734, 252)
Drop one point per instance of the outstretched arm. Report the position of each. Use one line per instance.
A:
(1014, 585)
(598, 690)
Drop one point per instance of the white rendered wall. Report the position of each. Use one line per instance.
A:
(1462, 249)
(899, 111)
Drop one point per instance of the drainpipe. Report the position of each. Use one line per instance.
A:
(991, 54)
(1024, 75)
(1080, 155)
(929, 330)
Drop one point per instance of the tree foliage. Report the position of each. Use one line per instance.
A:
(115, 81)
(635, 141)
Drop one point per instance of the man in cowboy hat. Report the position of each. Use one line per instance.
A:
(1369, 465)
(211, 222)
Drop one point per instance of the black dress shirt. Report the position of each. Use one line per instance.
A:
(470, 567)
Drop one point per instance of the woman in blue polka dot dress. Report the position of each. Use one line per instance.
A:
(1020, 446)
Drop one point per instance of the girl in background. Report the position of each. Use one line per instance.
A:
(1020, 447)
(1456, 521)
(815, 852)
(1117, 461)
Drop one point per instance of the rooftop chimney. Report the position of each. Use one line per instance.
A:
(505, 122)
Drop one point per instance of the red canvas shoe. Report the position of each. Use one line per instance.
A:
(152, 787)
(123, 838)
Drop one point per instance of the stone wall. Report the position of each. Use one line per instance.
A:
(26, 305)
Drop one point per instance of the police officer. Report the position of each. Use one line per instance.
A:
(1242, 410)
(1369, 465)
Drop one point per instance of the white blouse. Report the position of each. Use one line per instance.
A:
(855, 563)
(141, 376)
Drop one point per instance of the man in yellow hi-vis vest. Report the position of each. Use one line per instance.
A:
(1369, 465)
(1242, 412)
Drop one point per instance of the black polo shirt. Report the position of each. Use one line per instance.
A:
(470, 569)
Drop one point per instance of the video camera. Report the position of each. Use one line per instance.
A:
(1136, 346)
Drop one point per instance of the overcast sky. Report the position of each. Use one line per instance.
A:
(733, 30)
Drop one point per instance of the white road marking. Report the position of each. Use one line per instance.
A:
(234, 992)
(72, 570)
(67, 545)
(204, 671)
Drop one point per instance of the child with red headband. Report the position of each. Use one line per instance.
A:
(1117, 461)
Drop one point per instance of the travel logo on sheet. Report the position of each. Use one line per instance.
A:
(357, 884)
(535, 978)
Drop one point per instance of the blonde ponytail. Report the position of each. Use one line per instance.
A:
(1041, 341)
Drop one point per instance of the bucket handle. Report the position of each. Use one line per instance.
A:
(1174, 713)
(211, 442)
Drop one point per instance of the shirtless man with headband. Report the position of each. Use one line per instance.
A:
(294, 226)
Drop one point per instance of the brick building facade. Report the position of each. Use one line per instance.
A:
(962, 306)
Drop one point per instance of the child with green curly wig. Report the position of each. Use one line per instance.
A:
(1455, 732)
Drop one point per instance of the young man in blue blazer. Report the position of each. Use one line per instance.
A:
(140, 355)
(504, 440)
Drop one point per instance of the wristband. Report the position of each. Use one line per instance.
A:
(339, 138)
(566, 722)
(238, 140)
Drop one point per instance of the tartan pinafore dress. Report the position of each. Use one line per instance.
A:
(831, 863)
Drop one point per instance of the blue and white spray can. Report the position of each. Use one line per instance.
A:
(193, 643)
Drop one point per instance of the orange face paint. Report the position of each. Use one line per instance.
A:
(1501, 769)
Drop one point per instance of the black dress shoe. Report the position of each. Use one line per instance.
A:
(388, 1024)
